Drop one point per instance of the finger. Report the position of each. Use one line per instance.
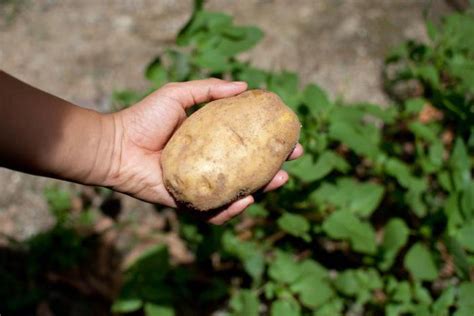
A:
(297, 152)
(233, 210)
(278, 180)
(197, 91)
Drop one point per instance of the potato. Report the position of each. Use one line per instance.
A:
(228, 149)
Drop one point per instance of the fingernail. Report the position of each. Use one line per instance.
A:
(249, 200)
(239, 83)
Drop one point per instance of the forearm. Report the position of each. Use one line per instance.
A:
(44, 135)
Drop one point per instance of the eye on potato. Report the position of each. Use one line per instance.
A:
(228, 149)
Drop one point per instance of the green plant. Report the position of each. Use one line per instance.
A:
(378, 216)
(25, 266)
(442, 70)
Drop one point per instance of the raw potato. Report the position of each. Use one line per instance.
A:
(228, 149)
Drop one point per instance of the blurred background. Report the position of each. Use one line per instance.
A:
(85, 51)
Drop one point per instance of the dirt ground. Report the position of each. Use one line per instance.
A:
(84, 50)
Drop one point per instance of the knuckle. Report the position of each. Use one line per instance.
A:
(215, 80)
(170, 86)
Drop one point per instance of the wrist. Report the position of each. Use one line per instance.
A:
(105, 161)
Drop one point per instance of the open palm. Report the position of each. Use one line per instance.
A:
(142, 131)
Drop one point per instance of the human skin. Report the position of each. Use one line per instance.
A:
(44, 135)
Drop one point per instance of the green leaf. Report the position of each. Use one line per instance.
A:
(254, 265)
(150, 268)
(158, 310)
(461, 263)
(345, 225)
(303, 168)
(435, 153)
(295, 225)
(428, 73)
(466, 236)
(312, 291)
(359, 198)
(395, 236)
(423, 131)
(414, 199)
(212, 60)
(399, 170)
(421, 294)
(285, 84)
(467, 201)
(310, 285)
(347, 284)
(362, 139)
(465, 301)
(366, 198)
(256, 210)
(331, 308)
(180, 67)
(254, 77)
(463, 68)
(460, 165)
(156, 73)
(311, 267)
(414, 106)
(358, 282)
(126, 305)
(326, 163)
(269, 290)
(420, 263)
(217, 21)
(421, 310)
(458, 31)
(248, 252)
(441, 306)
(387, 115)
(399, 291)
(59, 202)
(306, 170)
(196, 23)
(453, 212)
(397, 53)
(445, 181)
(231, 46)
(284, 307)
(283, 268)
(431, 30)
(126, 98)
(316, 99)
(352, 115)
(245, 303)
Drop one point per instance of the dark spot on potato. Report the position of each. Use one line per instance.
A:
(177, 181)
(256, 93)
(242, 192)
(276, 145)
(207, 182)
(187, 140)
(238, 136)
(175, 192)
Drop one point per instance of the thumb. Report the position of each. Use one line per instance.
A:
(193, 92)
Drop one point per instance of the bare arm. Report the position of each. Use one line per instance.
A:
(45, 135)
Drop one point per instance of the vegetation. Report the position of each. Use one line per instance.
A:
(378, 216)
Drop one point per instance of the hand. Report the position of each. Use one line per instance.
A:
(142, 131)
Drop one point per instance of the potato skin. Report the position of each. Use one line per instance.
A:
(228, 149)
